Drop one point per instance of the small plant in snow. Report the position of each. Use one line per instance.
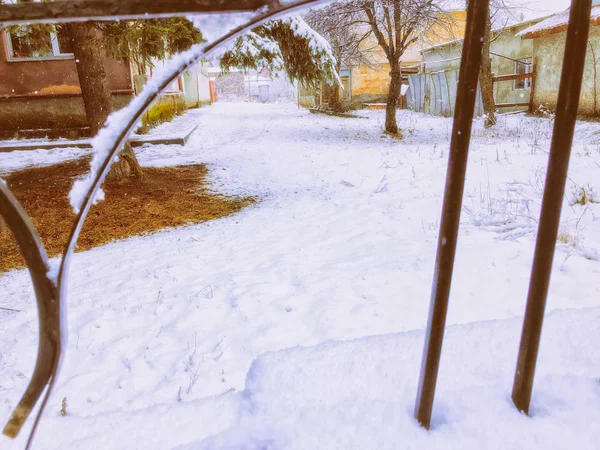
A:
(63, 407)
(411, 124)
(544, 112)
(567, 238)
(582, 195)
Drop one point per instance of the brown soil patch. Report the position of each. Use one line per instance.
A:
(165, 197)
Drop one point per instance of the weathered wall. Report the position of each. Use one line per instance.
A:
(27, 77)
(516, 48)
(307, 96)
(549, 51)
(190, 88)
(47, 112)
(46, 93)
(203, 85)
(369, 85)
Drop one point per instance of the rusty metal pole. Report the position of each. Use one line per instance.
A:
(560, 151)
(84, 10)
(477, 13)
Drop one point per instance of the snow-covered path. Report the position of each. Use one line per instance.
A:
(341, 246)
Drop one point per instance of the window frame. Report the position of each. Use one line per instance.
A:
(528, 63)
(56, 54)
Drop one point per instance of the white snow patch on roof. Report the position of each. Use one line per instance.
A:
(558, 20)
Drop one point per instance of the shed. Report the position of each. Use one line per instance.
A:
(548, 42)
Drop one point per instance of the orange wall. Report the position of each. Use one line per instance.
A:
(375, 81)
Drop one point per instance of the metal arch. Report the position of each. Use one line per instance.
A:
(82, 10)
(46, 292)
(51, 296)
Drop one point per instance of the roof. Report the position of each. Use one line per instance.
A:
(557, 23)
(514, 25)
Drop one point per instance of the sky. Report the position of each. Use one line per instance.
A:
(530, 8)
(541, 7)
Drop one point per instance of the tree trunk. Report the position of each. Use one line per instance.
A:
(87, 47)
(391, 126)
(485, 78)
(126, 166)
(331, 96)
(86, 41)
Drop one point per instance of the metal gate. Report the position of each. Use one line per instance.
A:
(51, 293)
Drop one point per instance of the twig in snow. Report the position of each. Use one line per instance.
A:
(228, 391)
(193, 378)
(191, 357)
(157, 301)
(219, 343)
(382, 187)
(9, 309)
(562, 266)
(210, 293)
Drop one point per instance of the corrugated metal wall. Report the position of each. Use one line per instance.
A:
(435, 93)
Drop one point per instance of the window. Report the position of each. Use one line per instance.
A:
(525, 65)
(26, 44)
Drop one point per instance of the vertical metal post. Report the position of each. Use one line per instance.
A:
(560, 151)
(534, 69)
(477, 12)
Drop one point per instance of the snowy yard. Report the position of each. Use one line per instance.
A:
(299, 322)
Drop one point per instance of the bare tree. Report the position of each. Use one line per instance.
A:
(393, 25)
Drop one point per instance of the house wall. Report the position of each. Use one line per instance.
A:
(46, 93)
(549, 51)
(513, 47)
(47, 112)
(307, 96)
(203, 85)
(190, 88)
(369, 84)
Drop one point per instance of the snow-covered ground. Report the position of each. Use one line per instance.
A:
(193, 338)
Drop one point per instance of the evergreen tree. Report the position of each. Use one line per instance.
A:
(289, 45)
(146, 41)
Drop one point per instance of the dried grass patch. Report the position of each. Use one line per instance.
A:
(165, 197)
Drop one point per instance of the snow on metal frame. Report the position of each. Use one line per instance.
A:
(107, 144)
